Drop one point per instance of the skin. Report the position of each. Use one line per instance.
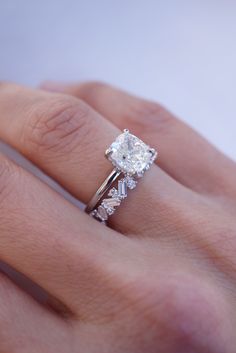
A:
(161, 278)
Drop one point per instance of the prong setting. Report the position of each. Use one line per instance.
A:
(152, 151)
(108, 152)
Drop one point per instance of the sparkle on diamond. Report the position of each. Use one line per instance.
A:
(130, 154)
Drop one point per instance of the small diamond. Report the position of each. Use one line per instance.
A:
(130, 155)
(110, 210)
(140, 174)
(110, 204)
(113, 202)
(113, 192)
(122, 188)
(131, 183)
(93, 213)
(101, 213)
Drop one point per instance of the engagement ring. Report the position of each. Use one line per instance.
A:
(131, 158)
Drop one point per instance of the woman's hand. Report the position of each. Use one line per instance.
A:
(162, 278)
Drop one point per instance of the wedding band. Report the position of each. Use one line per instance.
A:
(131, 158)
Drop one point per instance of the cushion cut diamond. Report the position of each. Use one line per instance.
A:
(130, 155)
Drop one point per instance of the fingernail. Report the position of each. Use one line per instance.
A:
(53, 86)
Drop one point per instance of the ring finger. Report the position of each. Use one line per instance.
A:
(67, 139)
(184, 154)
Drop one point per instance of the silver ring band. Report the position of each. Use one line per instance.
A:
(102, 190)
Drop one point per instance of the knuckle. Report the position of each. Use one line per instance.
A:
(174, 313)
(94, 91)
(59, 125)
(146, 116)
(93, 87)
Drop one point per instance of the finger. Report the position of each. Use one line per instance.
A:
(66, 138)
(26, 326)
(183, 153)
(50, 241)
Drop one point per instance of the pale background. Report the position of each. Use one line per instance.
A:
(181, 53)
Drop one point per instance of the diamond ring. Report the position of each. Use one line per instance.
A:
(131, 158)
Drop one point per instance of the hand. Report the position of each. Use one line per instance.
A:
(162, 278)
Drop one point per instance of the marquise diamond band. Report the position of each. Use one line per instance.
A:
(131, 158)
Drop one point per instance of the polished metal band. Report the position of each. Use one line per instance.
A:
(102, 190)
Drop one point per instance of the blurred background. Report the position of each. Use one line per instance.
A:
(180, 53)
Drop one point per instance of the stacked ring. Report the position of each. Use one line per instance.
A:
(131, 158)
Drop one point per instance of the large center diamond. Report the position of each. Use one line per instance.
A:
(130, 155)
